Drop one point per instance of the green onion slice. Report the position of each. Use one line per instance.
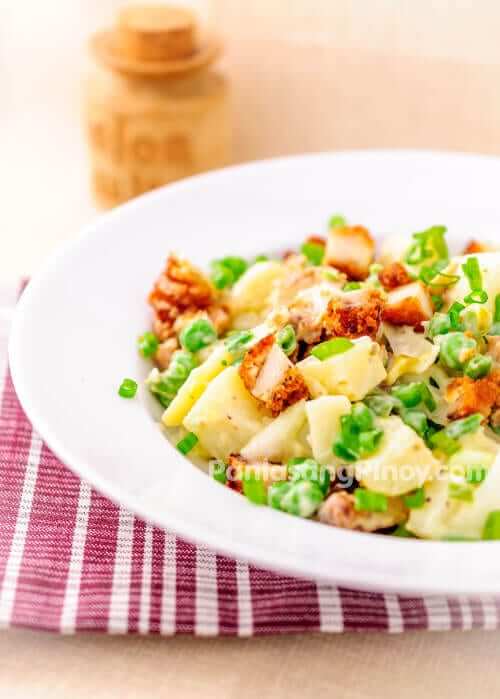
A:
(128, 388)
(369, 501)
(314, 253)
(328, 349)
(187, 443)
(491, 530)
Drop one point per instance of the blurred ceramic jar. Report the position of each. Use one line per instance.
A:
(155, 109)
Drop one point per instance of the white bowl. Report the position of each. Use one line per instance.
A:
(74, 340)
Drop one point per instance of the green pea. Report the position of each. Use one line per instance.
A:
(198, 334)
(276, 492)
(148, 344)
(362, 416)
(310, 470)
(457, 350)
(478, 367)
(440, 324)
(409, 394)
(302, 499)
(382, 405)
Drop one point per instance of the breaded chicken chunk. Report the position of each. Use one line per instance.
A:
(271, 377)
(338, 510)
(350, 249)
(394, 275)
(354, 315)
(410, 304)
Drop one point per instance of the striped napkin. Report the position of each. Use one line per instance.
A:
(70, 560)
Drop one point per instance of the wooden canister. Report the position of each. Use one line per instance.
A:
(155, 108)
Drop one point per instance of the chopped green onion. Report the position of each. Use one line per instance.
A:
(478, 367)
(314, 253)
(261, 258)
(382, 405)
(351, 286)
(466, 425)
(128, 388)
(476, 474)
(238, 340)
(472, 271)
(495, 328)
(427, 244)
(460, 491)
(491, 530)
(344, 452)
(187, 443)
(287, 339)
(337, 221)
(369, 441)
(328, 349)
(416, 420)
(496, 315)
(427, 397)
(443, 442)
(198, 334)
(437, 302)
(415, 500)
(456, 350)
(430, 272)
(148, 344)
(219, 472)
(369, 501)
(409, 394)
(255, 489)
(302, 499)
(478, 296)
(276, 492)
(454, 314)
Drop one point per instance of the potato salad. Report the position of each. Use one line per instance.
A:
(357, 388)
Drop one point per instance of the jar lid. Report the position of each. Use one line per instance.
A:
(155, 41)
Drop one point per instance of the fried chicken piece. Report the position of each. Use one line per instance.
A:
(235, 470)
(181, 290)
(350, 249)
(338, 510)
(354, 315)
(239, 468)
(410, 304)
(270, 376)
(394, 275)
(470, 396)
(316, 240)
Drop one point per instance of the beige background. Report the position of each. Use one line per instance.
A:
(307, 75)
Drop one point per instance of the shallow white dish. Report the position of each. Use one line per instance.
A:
(74, 340)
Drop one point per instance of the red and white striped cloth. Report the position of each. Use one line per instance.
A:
(70, 560)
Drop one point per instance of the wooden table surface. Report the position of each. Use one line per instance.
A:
(436, 100)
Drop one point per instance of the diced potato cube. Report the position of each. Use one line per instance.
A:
(281, 439)
(401, 463)
(226, 416)
(353, 373)
(324, 415)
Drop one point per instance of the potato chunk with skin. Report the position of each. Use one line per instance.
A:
(353, 373)
(226, 416)
(401, 463)
(281, 439)
(323, 415)
(350, 249)
(338, 510)
(271, 377)
(408, 305)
